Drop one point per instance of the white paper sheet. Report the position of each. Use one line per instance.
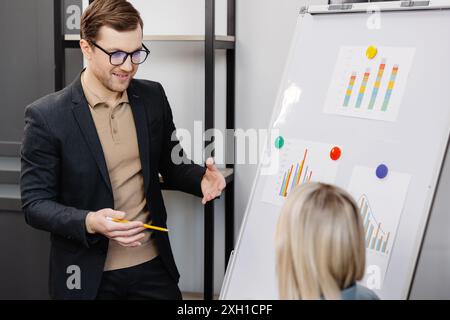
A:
(369, 88)
(381, 203)
(295, 163)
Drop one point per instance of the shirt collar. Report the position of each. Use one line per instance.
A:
(94, 100)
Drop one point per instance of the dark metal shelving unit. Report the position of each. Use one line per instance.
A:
(212, 43)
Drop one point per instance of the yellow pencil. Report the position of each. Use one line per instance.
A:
(147, 226)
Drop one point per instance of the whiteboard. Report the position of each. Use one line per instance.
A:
(411, 143)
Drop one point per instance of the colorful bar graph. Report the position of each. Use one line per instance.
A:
(377, 84)
(292, 178)
(376, 238)
(391, 84)
(348, 94)
(362, 89)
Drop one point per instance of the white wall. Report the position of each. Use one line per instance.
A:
(432, 279)
(179, 17)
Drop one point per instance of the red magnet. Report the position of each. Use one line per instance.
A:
(335, 153)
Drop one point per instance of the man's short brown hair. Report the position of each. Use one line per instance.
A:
(117, 14)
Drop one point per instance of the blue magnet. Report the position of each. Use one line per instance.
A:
(382, 171)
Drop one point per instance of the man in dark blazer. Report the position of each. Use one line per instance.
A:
(92, 152)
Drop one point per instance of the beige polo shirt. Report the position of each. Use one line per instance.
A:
(117, 132)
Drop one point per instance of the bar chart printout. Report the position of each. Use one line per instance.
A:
(381, 203)
(369, 88)
(376, 237)
(293, 178)
(296, 163)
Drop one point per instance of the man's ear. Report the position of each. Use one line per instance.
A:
(86, 49)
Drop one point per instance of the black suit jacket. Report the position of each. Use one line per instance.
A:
(64, 176)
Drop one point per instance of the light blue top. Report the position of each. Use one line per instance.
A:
(358, 292)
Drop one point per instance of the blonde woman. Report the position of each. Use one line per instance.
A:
(320, 248)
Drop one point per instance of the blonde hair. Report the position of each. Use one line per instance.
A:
(319, 241)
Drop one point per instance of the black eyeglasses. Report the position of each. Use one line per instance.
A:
(118, 58)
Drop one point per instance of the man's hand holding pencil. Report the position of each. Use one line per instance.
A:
(112, 225)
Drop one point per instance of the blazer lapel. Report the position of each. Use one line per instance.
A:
(142, 131)
(83, 116)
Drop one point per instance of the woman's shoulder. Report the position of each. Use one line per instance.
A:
(359, 292)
